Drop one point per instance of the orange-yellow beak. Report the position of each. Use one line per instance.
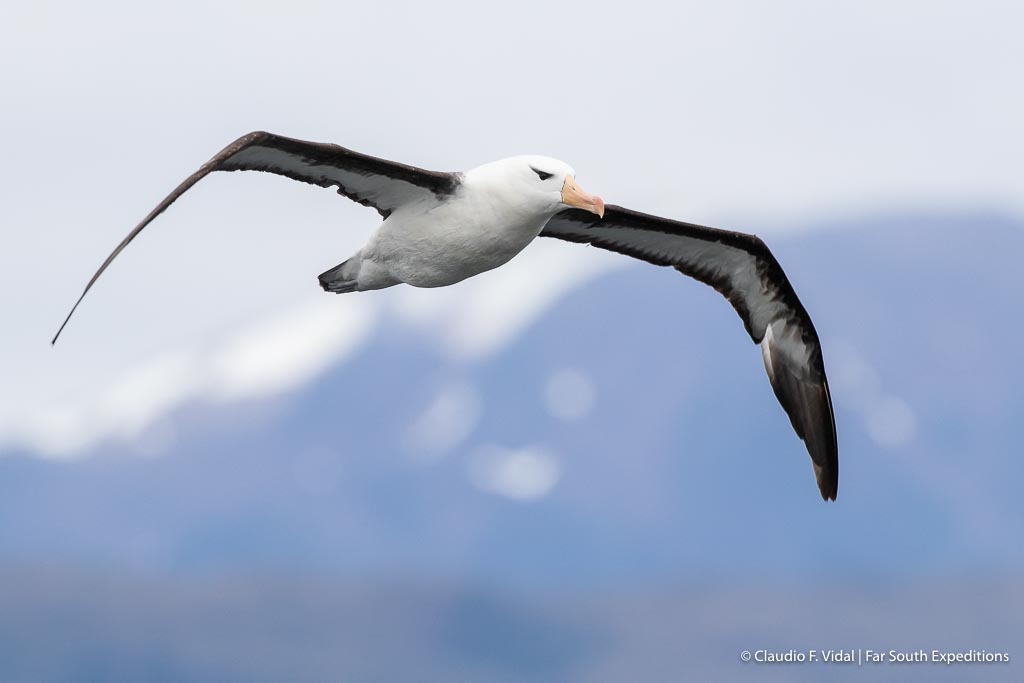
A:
(573, 195)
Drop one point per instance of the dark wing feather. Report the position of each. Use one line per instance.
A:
(742, 269)
(381, 184)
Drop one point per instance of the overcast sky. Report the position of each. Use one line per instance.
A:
(750, 115)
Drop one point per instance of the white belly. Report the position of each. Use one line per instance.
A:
(450, 242)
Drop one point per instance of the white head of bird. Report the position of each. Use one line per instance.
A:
(537, 184)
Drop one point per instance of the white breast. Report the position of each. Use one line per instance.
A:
(473, 231)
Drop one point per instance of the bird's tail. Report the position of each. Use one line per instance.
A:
(342, 277)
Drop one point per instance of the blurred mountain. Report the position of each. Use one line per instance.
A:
(629, 434)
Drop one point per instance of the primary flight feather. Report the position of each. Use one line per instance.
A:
(441, 228)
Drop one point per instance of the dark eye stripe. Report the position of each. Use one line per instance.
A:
(543, 175)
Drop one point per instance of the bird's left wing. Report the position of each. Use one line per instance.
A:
(741, 268)
(378, 183)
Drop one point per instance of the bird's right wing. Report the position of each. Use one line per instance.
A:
(378, 183)
(741, 268)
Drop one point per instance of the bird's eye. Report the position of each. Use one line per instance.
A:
(543, 175)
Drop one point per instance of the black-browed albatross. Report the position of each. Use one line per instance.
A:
(441, 228)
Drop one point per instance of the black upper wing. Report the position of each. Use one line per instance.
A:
(381, 184)
(742, 269)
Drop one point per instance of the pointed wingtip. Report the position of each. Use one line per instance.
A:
(64, 324)
(827, 476)
(802, 389)
(53, 342)
(830, 493)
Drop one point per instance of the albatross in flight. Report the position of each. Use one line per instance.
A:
(440, 228)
